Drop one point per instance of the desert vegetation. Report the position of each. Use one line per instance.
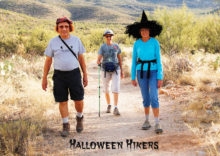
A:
(191, 60)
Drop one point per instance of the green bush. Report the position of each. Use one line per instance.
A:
(179, 30)
(8, 46)
(16, 134)
(93, 40)
(182, 31)
(38, 41)
(209, 33)
(120, 38)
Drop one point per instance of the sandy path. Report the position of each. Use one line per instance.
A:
(176, 139)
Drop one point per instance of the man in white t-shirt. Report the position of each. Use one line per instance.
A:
(67, 77)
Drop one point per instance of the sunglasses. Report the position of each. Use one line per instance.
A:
(66, 26)
(108, 36)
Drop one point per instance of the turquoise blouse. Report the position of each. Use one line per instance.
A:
(149, 50)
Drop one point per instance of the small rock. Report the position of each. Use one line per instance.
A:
(192, 88)
(208, 106)
(200, 153)
(212, 85)
(217, 89)
(209, 112)
(170, 82)
(163, 91)
(169, 86)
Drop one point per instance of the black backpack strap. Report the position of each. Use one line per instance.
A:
(68, 47)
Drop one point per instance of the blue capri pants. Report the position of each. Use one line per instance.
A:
(149, 88)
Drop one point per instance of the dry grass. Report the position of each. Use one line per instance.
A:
(22, 103)
(186, 80)
(203, 118)
(210, 137)
(202, 110)
(22, 100)
(126, 56)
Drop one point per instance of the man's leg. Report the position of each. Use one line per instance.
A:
(63, 107)
(79, 107)
(79, 115)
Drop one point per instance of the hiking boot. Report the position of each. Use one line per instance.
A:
(158, 129)
(108, 109)
(66, 129)
(146, 125)
(79, 124)
(116, 112)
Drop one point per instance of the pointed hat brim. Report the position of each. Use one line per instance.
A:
(134, 29)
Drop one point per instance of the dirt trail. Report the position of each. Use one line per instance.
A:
(177, 139)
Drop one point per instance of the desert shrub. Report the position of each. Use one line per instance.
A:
(186, 80)
(93, 41)
(38, 41)
(216, 63)
(182, 31)
(8, 46)
(209, 32)
(16, 134)
(174, 67)
(123, 39)
(22, 115)
(120, 38)
(179, 30)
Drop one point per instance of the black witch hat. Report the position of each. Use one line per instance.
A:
(134, 29)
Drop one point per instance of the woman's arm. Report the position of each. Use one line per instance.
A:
(120, 64)
(99, 59)
(159, 66)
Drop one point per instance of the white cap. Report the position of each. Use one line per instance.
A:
(108, 32)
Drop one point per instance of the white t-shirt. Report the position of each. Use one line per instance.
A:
(64, 60)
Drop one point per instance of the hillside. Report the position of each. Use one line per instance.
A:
(94, 13)
(34, 8)
(100, 10)
(194, 4)
(19, 23)
(77, 12)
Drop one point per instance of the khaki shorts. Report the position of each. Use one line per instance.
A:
(113, 79)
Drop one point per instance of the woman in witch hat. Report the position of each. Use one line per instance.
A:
(146, 61)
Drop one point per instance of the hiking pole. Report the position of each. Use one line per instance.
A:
(99, 87)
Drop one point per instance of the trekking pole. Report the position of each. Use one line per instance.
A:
(99, 87)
